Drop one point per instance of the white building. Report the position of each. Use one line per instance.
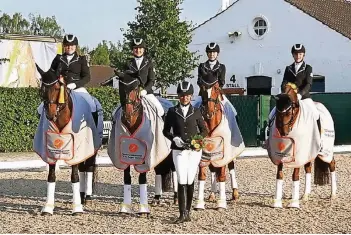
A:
(256, 36)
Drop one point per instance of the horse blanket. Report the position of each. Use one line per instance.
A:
(226, 142)
(304, 142)
(145, 148)
(78, 141)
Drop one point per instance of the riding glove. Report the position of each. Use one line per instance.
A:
(143, 93)
(178, 141)
(71, 86)
(299, 96)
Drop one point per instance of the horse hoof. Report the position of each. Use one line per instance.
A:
(220, 209)
(305, 197)
(277, 204)
(235, 195)
(294, 204)
(77, 213)
(144, 215)
(156, 202)
(175, 202)
(46, 214)
(212, 197)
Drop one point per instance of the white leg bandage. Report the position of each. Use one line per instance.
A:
(233, 179)
(158, 185)
(89, 183)
(175, 181)
(82, 182)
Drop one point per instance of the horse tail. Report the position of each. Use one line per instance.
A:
(167, 181)
(321, 172)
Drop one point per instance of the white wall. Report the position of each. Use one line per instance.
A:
(328, 52)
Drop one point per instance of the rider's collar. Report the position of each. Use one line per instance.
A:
(212, 61)
(139, 57)
(184, 105)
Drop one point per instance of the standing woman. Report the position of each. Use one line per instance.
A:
(186, 121)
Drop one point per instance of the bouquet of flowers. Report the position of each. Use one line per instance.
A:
(197, 142)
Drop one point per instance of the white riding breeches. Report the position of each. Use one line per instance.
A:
(309, 102)
(152, 98)
(85, 94)
(186, 163)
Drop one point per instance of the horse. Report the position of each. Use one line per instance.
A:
(144, 149)
(58, 106)
(288, 118)
(213, 111)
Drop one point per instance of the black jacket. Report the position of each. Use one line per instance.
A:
(303, 78)
(76, 71)
(220, 68)
(184, 127)
(146, 72)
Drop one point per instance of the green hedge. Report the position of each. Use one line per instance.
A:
(19, 118)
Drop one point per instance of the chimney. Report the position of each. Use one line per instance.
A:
(225, 4)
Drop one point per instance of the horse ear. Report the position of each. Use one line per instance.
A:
(39, 69)
(276, 97)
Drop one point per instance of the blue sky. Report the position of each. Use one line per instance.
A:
(93, 21)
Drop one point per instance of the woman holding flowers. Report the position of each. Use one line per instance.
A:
(188, 131)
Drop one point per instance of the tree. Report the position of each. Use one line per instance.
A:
(100, 55)
(36, 25)
(167, 39)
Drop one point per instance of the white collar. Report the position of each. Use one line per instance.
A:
(140, 58)
(212, 62)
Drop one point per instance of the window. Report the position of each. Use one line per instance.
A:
(318, 84)
(260, 26)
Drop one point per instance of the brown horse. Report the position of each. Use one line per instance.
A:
(58, 108)
(287, 113)
(212, 112)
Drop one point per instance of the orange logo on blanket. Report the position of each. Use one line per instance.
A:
(133, 148)
(281, 146)
(58, 143)
(209, 147)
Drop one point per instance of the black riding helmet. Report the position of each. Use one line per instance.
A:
(212, 47)
(298, 48)
(70, 40)
(138, 43)
(185, 88)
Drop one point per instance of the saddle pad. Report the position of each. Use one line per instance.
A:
(214, 149)
(132, 150)
(282, 150)
(59, 146)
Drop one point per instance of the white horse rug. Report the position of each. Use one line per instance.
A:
(226, 142)
(145, 148)
(78, 141)
(304, 142)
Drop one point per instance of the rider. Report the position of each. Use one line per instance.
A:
(146, 71)
(75, 70)
(300, 74)
(212, 64)
(186, 121)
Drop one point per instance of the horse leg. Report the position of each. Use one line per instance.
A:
(143, 205)
(212, 197)
(234, 183)
(77, 202)
(332, 169)
(308, 170)
(221, 178)
(295, 189)
(127, 192)
(279, 188)
(82, 176)
(48, 209)
(89, 178)
(158, 184)
(200, 203)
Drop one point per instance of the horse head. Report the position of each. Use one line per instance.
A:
(129, 85)
(55, 96)
(287, 109)
(211, 94)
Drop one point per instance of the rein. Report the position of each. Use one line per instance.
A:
(204, 109)
(135, 103)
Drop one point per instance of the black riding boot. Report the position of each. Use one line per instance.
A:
(182, 203)
(319, 125)
(95, 117)
(189, 200)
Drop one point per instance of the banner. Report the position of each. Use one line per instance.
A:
(21, 71)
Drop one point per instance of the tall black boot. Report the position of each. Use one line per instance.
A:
(189, 200)
(319, 125)
(182, 203)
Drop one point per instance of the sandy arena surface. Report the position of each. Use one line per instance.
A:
(22, 194)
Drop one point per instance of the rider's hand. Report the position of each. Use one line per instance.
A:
(178, 141)
(299, 96)
(71, 86)
(143, 93)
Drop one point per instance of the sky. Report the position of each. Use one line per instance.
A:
(93, 21)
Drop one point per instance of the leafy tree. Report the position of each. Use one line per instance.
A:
(167, 39)
(100, 55)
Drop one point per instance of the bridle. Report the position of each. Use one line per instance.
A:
(47, 103)
(206, 99)
(135, 103)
